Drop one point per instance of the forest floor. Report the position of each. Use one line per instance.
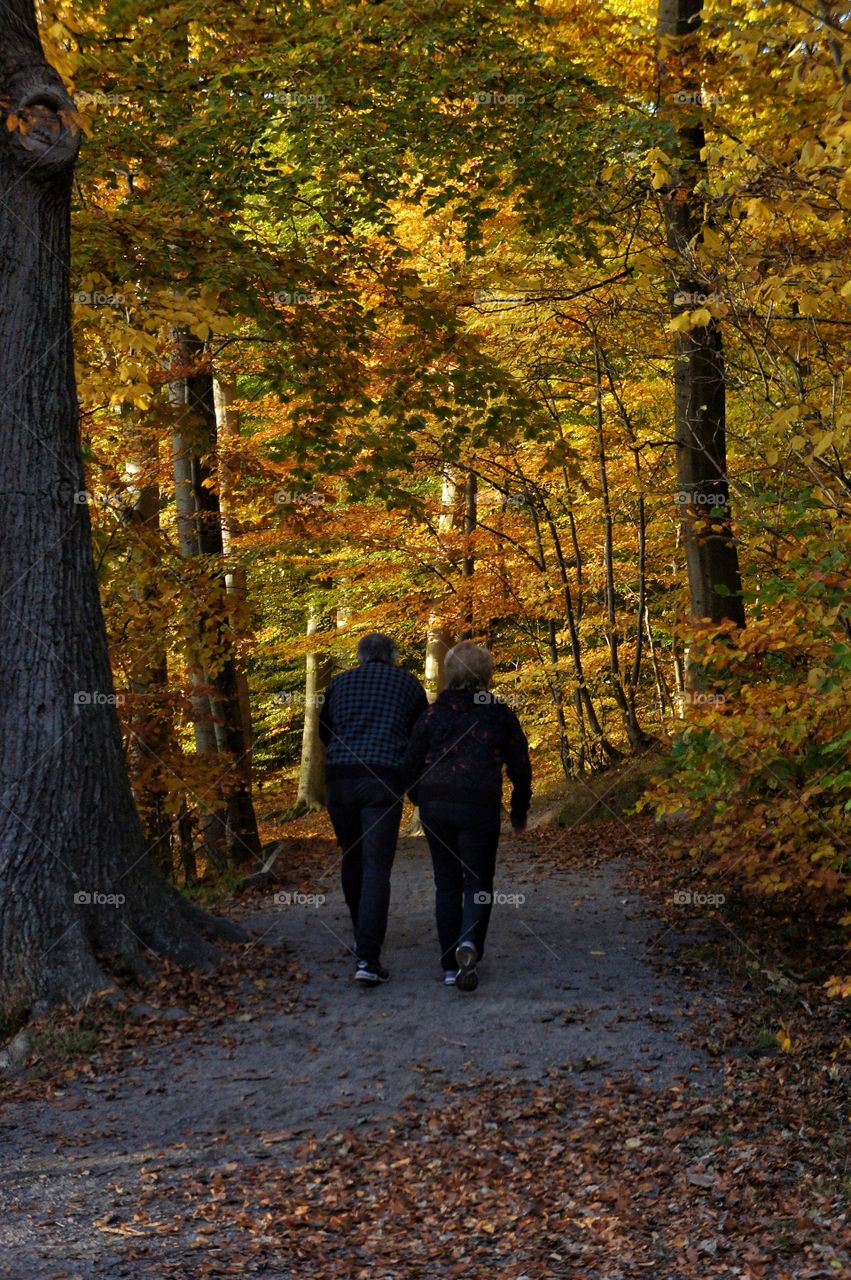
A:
(628, 1093)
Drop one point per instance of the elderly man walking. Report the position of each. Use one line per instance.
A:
(366, 721)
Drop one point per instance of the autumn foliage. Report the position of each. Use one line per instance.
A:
(427, 253)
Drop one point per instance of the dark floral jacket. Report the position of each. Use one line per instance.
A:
(458, 748)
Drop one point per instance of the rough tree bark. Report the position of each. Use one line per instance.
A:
(68, 825)
(236, 584)
(151, 735)
(700, 424)
(194, 446)
(212, 815)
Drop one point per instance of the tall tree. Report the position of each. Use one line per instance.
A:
(227, 430)
(75, 878)
(213, 814)
(151, 730)
(715, 583)
(195, 448)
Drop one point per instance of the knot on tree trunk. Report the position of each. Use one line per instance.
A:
(42, 129)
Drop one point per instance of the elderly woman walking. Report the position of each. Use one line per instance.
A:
(453, 771)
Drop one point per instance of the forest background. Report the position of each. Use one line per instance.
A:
(523, 323)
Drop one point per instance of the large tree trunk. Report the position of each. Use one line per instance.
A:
(70, 837)
(711, 555)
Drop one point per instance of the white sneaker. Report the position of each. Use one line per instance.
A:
(449, 977)
(371, 974)
(466, 957)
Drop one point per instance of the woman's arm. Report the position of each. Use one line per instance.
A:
(519, 768)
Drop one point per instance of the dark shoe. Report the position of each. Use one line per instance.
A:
(371, 974)
(466, 958)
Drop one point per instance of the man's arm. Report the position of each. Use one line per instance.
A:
(414, 761)
(421, 704)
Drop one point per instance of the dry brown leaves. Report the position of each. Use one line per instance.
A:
(529, 1183)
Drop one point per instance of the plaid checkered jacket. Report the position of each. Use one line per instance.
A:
(367, 718)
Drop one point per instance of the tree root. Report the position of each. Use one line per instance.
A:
(213, 926)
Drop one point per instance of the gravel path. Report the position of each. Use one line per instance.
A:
(572, 983)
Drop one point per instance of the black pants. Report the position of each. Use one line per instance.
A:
(366, 813)
(463, 840)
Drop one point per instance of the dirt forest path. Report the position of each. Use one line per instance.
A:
(268, 1148)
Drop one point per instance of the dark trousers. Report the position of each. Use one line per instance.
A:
(366, 813)
(463, 840)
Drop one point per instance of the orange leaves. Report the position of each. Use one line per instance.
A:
(839, 986)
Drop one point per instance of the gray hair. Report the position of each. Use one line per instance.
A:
(377, 648)
(468, 666)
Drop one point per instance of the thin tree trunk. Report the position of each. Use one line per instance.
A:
(187, 843)
(679, 662)
(439, 638)
(574, 540)
(641, 610)
(468, 561)
(555, 688)
(151, 740)
(184, 499)
(212, 813)
(661, 688)
(608, 557)
(227, 426)
(557, 696)
(583, 693)
(624, 699)
(311, 781)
